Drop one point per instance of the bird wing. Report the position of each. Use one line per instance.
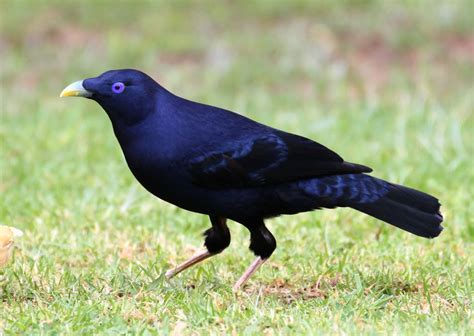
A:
(272, 158)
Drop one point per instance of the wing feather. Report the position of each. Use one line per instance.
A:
(269, 159)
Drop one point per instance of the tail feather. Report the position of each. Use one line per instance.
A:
(406, 208)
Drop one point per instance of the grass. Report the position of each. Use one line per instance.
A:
(385, 84)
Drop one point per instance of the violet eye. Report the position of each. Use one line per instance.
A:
(118, 87)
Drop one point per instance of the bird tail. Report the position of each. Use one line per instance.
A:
(409, 209)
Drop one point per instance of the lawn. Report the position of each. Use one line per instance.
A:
(384, 83)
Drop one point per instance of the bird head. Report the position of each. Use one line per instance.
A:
(126, 95)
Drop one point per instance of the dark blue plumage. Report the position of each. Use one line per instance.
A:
(216, 162)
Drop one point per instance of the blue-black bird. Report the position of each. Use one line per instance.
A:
(215, 162)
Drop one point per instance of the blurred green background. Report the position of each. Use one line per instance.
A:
(384, 83)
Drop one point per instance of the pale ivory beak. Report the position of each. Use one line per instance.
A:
(75, 90)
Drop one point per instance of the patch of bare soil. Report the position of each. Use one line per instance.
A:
(321, 289)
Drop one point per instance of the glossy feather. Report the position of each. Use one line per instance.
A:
(214, 161)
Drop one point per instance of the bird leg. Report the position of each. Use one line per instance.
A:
(217, 239)
(248, 273)
(198, 257)
(262, 244)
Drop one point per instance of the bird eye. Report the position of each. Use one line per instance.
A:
(118, 87)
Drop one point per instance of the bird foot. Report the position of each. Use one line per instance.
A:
(198, 257)
(248, 273)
